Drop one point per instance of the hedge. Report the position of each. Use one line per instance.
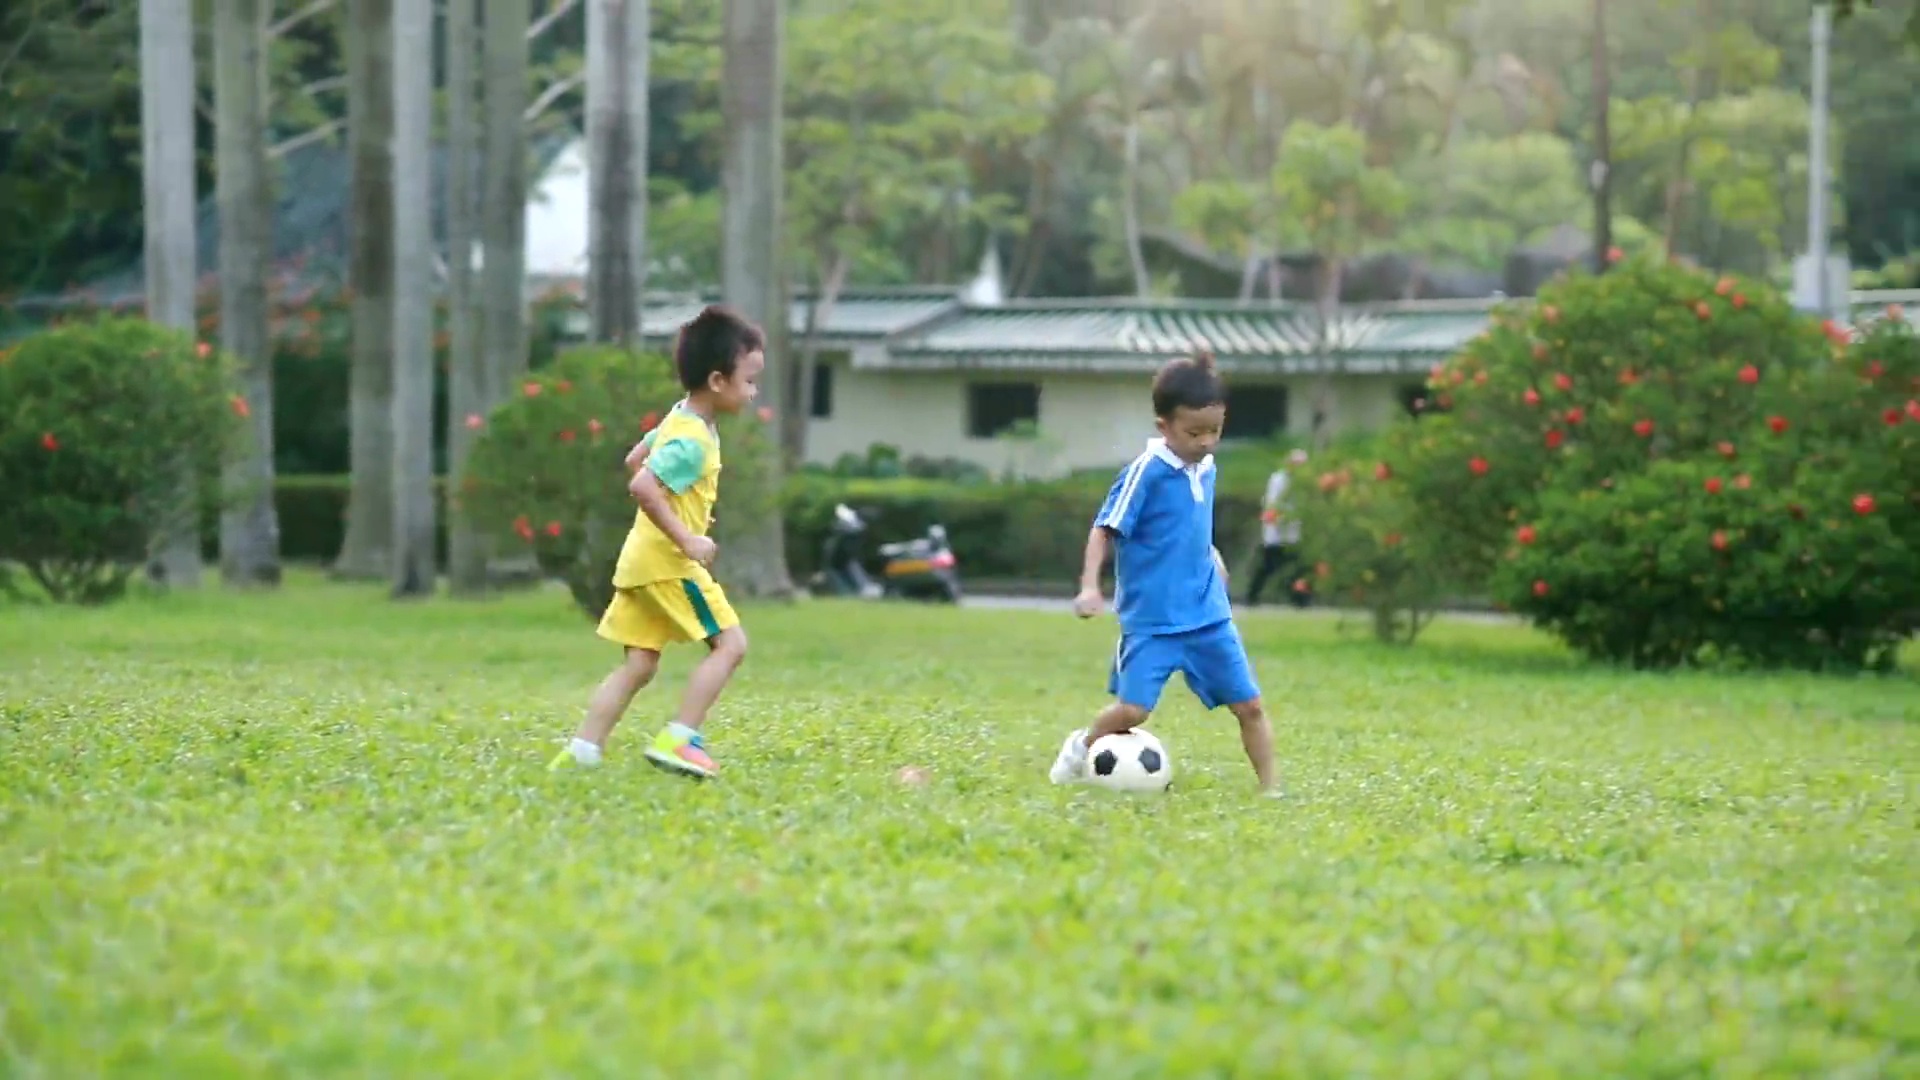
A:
(1019, 531)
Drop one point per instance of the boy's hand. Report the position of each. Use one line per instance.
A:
(702, 549)
(637, 456)
(1089, 603)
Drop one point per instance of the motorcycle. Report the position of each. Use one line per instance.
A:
(922, 568)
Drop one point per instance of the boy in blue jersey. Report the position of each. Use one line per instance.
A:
(1170, 585)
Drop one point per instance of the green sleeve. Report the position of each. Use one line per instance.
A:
(678, 463)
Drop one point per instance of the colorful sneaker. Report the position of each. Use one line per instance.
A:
(683, 754)
(1070, 767)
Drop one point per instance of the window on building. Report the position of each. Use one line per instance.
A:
(823, 385)
(993, 408)
(1255, 412)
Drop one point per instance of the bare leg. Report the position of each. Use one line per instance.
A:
(615, 692)
(725, 651)
(1256, 735)
(1114, 719)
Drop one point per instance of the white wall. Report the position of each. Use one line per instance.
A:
(1086, 421)
(557, 216)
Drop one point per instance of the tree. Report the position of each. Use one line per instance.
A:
(617, 154)
(1336, 204)
(1474, 205)
(503, 197)
(249, 526)
(365, 551)
(891, 98)
(755, 563)
(1845, 8)
(467, 397)
(167, 164)
(414, 565)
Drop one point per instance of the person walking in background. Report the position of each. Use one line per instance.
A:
(1279, 534)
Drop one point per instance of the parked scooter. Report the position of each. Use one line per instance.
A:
(920, 569)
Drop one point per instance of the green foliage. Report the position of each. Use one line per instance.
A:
(1362, 543)
(1574, 466)
(340, 857)
(892, 104)
(99, 419)
(883, 461)
(1331, 199)
(547, 472)
(1475, 202)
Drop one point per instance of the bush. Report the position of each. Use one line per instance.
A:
(311, 334)
(98, 418)
(1022, 530)
(883, 461)
(1360, 541)
(1027, 531)
(1572, 475)
(547, 472)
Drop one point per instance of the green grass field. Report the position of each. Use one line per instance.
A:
(312, 834)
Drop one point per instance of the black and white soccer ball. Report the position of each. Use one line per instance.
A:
(1129, 761)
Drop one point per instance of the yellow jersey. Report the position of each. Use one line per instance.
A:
(685, 457)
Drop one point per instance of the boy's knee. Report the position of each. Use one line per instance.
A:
(1249, 712)
(640, 665)
(731, 645)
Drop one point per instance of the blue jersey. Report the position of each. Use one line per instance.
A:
(1160, 511)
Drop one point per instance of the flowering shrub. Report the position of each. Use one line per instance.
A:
(547, 470)
(1361, 542)
(1663, 467)
(97, 419)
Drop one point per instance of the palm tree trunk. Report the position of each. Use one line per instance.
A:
(1130, 210)
(249, 527)
(365, 551)
(752, 46)
(166, 138)
(1600, 173)
(617, 156)
(466, 374)
(415, 568)
(503, 199)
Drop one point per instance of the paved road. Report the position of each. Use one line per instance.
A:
(1063, 606)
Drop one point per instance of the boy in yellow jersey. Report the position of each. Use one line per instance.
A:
(663, 591)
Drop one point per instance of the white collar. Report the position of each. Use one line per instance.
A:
(1158, 448)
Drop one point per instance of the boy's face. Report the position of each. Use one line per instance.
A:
(731, 393)
(1192, 434)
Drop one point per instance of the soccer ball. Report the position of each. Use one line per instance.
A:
(1129, 761)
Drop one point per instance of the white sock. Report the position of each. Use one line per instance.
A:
(584, 752)
(1080, 742)
(681, 731)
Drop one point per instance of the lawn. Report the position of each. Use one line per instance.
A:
(312, 834)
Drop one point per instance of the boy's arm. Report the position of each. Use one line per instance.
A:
(637, 456)
(672, 467)
(652, 495)
(1098, 543)
(1089, 602)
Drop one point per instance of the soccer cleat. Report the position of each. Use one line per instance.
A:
(686, 755)
(1070, 767)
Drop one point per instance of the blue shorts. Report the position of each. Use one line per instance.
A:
(1212, 658)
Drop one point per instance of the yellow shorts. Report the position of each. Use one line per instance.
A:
(664, 613)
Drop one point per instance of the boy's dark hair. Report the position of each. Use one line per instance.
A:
(712, 342)
(1187, 383)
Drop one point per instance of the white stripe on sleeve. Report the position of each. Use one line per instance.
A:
(1128, 486)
